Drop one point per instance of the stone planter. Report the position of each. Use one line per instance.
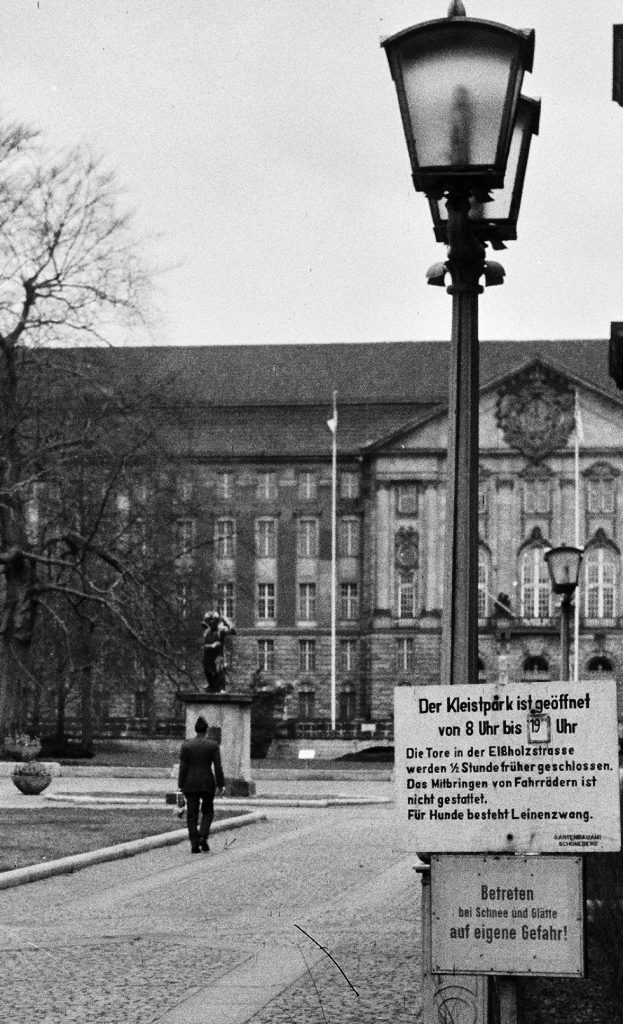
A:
(30, 782)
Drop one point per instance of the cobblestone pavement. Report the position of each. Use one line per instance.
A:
(135, 941)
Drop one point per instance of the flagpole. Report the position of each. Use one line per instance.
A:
(576, 620)
(333, 560)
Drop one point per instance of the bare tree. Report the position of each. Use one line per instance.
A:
(69, 275)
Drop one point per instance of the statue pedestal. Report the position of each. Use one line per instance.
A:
(229, 722)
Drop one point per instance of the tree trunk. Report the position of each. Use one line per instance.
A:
(151, 705)
(8, 687)
(86, 684)
(16, 629)
(61, 703)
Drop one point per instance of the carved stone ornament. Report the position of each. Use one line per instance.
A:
(406, 549)
(535, 412)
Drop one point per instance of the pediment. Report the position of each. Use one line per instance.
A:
(530, 413)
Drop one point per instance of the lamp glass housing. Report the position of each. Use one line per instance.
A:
(496, 220)
(458, 82)
(563, 564)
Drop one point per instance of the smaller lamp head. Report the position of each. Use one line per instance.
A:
(563, 564)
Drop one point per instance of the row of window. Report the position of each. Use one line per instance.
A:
(266, 488)
(537, 496)
(307, 537)
(597, 589)
(347, 651)
(537, 493)
(348, 601)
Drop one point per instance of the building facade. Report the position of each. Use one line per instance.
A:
(252, 518)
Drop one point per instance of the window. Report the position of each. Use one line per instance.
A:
(348, 655)
(182, 597)
(224, 538)
(535, 585)
(537, 496)
(349, 600)
(307, 538)
(32, 510)
(406, 654)
(307, 655)
(601, 495)
(306, 704)
(225, 604)
(225, 486)
(265, 536)
(123, 506)
(348, 538)
(482, 498)
(184, 490)
(407, 499)
(307, 486)
(599, 584)
(140, 704)
(535, 667)
(600, 664)
(347, 704)
(349, 485)
(407, 593)
(267, 486)
(266, 655)
(307, 602)
(184, 542)
(266, 601)
(483, 587)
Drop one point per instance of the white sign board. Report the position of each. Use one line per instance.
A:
(507, 915)
(515, 768)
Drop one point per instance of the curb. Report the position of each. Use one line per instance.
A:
(77, 861)
(130, 801)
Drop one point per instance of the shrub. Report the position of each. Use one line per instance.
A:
(53, 749)
(604, 892)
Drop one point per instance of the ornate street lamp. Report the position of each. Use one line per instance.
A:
(495, 220)
(458, 82)
(563, 564)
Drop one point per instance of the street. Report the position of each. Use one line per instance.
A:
(226, 937)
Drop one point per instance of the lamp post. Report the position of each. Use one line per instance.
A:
(563, 564)
(458, 82)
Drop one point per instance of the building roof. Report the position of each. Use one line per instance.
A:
(377, 372)
(263, 400)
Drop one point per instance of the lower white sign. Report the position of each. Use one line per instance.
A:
(507, 915)
(508, 768)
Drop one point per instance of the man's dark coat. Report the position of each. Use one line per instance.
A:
(197, 756)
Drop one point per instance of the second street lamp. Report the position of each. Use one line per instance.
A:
(458, 82)
(495, 220)
(563, 564)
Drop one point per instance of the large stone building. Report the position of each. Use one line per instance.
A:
(252, 466)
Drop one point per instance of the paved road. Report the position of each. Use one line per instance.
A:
(166, 937)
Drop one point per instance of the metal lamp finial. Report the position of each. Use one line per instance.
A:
(456, 9)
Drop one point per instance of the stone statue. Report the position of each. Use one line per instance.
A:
(215, 629)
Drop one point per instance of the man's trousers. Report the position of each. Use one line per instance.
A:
(195, 802)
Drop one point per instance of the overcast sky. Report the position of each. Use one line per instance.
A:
(261, 144)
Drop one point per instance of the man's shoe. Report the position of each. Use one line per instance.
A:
(195, 849)
(203, 846)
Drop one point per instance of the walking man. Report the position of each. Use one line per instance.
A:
(196, 781)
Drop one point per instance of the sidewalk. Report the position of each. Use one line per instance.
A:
(113, 792)
(359, 789)
(229, 938)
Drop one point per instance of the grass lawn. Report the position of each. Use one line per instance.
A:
(37, 835)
